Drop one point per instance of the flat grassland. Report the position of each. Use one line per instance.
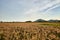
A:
(29, 31)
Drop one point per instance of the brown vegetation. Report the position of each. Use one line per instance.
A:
(30, 31)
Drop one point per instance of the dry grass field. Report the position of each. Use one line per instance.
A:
(29, 31)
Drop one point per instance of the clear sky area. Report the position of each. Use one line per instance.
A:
(23, 10)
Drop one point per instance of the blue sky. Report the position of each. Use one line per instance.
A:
(22, 10)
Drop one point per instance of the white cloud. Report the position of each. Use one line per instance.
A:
(53, 7)
(31, 9)
(48, 6)
(34, 13)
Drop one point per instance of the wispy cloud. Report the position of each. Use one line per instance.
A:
(41, 10)
(27, 9)
(52, 7)
(48, 6)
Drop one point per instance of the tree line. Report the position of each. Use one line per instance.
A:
(39, 20)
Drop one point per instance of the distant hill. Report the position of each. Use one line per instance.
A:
(40, 20)
(53, 20)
